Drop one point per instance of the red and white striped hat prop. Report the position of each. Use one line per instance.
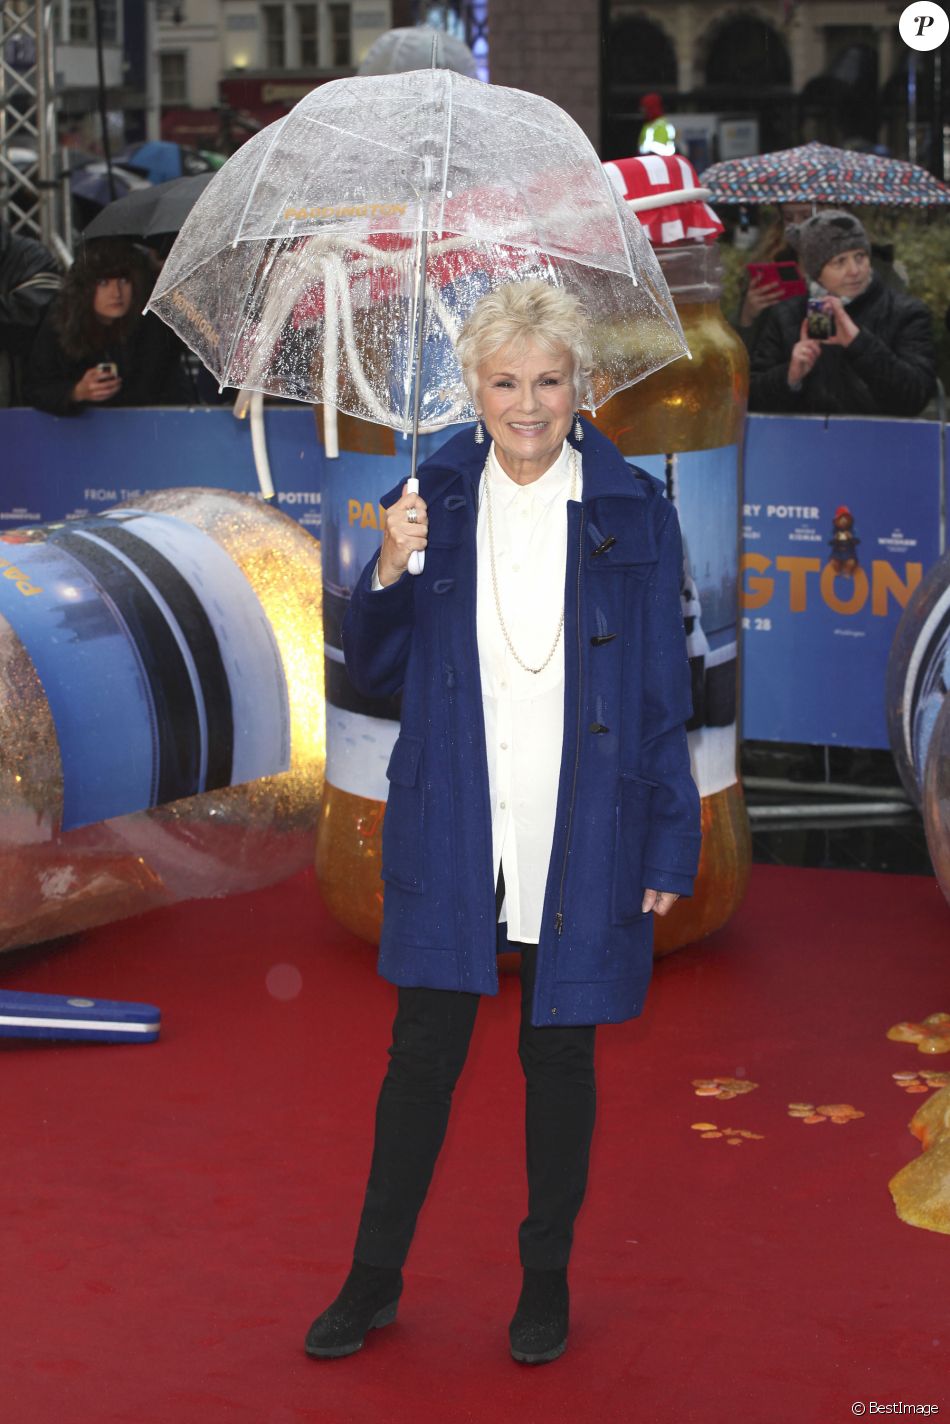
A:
(666, 197)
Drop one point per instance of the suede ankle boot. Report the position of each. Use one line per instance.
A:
(367, 1301)
(538, 1332)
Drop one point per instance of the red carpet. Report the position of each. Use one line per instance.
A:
(175, 1215)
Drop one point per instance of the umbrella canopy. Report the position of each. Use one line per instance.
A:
(300, 269)
(399, 50)
(816, 173)
(90, 182)
(161, 160)
(151, 211)
(91, 190)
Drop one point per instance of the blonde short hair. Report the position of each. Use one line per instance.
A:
(521, 312)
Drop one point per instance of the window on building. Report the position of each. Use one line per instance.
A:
(173, 77)
(307, 36)
(82, 21)
(109, 20)
(339, 36)
(275, 37)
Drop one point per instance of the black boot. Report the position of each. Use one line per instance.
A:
(538, 1332)
(367, 1301)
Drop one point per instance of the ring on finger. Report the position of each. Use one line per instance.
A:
(412, 514)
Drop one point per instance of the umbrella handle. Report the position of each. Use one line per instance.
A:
(417, 559)
(259, 445)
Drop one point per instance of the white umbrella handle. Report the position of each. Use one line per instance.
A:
(417, 559)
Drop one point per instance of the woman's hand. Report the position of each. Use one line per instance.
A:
(805, 353)
(403, 534)
(759, 296)
(96, 385)
(660, 902)
(845, 329)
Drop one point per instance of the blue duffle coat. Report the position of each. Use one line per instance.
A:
(627, 809)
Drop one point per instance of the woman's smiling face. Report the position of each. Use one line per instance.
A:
(526, 400)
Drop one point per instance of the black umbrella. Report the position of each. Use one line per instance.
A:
(149, 212)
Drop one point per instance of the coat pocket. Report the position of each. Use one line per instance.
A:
(633, 819)
(402, 861)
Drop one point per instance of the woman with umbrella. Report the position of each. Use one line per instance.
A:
(540, 791)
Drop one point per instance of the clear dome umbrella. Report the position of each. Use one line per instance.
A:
(418, 47)
(335, 256)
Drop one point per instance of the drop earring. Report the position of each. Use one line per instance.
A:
(479, 431)
(578, 428)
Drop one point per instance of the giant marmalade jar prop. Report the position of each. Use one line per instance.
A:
(684, 424)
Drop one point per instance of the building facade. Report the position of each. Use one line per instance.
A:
(208, 72)
(222, 68)
(77, 68)
(833, 70)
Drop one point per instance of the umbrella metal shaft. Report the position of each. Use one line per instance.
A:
(417, 354)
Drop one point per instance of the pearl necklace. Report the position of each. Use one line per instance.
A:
(494, 575)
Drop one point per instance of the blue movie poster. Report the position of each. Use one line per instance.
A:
(841, 520)
(361, 731)
(703, 485)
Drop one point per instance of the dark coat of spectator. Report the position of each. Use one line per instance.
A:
(97, 322)
(889, 369)
(29, 280)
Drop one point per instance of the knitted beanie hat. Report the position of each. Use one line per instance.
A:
(825, 235)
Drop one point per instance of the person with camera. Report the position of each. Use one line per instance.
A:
(853, 346)
(95, 348)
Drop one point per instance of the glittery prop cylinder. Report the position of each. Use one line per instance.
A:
(918, 675)
(231, 589)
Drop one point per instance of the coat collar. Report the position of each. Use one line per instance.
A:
(606, 472)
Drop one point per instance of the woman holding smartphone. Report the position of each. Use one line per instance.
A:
(851, 346)
(95, 347)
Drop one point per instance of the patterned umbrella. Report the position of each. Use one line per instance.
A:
(816, 173)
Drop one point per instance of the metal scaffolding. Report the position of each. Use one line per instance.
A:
(33, 196)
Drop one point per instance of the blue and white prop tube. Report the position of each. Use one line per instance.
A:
(89, 1020)
(161, 709)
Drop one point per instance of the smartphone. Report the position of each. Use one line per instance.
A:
(820, 319)
(786, 274)
(107, 368)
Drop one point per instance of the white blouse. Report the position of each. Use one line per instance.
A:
(524, 712)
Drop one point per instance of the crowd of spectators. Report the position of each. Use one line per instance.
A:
(80, 341)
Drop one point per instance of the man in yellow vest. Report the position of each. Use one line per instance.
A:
(658, 135)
